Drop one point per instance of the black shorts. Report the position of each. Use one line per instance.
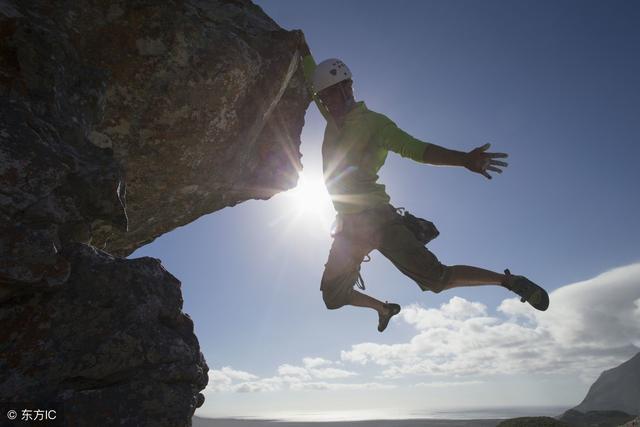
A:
(382, 229)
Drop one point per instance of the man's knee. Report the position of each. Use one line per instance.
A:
(439, 278)
(331, 302)
(335, 295)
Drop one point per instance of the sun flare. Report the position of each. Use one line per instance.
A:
(310, 199)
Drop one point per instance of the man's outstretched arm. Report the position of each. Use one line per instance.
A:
(395, 139)
(477, 160)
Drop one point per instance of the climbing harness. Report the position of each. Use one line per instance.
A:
(360, 280)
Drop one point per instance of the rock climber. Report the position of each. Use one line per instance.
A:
(355, 146)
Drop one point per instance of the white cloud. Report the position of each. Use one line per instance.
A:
(301, 373)
(330, 373)
(294, 371)
(263, 384)
(340, 386)
(457, 309)
(222, 379)
(314, 362)
(219, 382)
(590, 326)
(288, 377)
(597, 313)
(237, 375)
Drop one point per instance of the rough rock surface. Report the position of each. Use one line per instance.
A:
(616, 389)
(184, 107)
(201, 103)
(111, 344)
(204, 107)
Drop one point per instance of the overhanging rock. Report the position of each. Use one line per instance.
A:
(203, 107)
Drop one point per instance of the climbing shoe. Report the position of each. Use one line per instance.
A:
(528, 291)
(383, 319)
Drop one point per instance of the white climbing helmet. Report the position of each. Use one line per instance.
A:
(329, 72)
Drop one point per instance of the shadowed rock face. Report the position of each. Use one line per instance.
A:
(183, 107)
(112, 344)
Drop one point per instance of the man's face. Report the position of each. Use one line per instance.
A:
(338, 98)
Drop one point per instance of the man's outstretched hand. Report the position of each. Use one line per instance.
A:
(479, 161)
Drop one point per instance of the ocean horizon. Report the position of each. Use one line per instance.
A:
(464, 413)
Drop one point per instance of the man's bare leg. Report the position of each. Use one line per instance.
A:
(385, 311)
(461, 275)
(363, 300)
(466, 275)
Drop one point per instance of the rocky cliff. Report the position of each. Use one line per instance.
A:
(616, 389)
(120, 121)
(613, 400)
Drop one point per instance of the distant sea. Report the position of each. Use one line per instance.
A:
(473, 416)
(497, 412)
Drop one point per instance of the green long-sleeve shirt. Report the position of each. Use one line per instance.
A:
(353, 153)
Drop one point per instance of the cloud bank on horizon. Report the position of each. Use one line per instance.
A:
(590, 326)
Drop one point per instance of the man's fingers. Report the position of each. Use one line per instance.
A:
(498, 163)
(485, 147)
(486, 174)
(492, 168)
(497, 155)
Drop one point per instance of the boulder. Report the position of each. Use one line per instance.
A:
(111, 343)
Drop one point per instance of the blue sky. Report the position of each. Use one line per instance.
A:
(554, 84)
